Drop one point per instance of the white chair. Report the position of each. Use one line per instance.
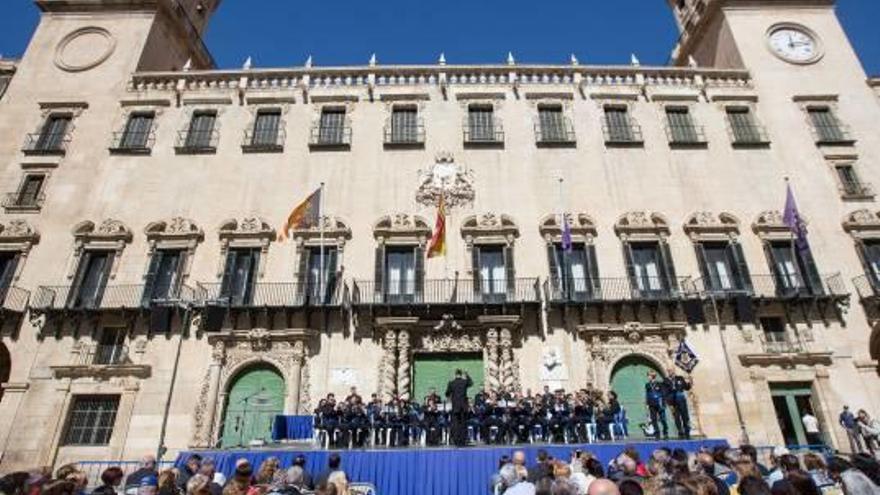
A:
(362, 489)
(591, 432)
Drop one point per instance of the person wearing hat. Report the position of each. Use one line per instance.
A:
(149, 485)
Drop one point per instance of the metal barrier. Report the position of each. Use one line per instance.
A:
(93, 469)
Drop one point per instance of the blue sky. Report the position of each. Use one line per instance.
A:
(338, 32)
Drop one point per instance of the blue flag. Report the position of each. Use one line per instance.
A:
(685, 357)
(566, 234)
(791, 217)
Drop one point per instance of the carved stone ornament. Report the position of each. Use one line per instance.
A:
(581, 225)
(861, 222)
(107, 230)
(17, 230)
(771, 221)
(401, 224)
(246, 227)
(641, 222)
(606, 345)
(706, 222)
(174, 228)
(489, 225)
(335, 229)
(448, 179)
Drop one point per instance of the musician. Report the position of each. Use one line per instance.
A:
(432, 422)
(375, 411)
(540, 416)
(656, 393)
(582, 415)
(395, 418)
(678, 387)
(547, 397)
(357, 424)
(330, 415)
(560, 413)
(609, 413)
(456, 392)
(432, 397)
(352, 394)
(494, 417)
(520, 418)
(413, 420)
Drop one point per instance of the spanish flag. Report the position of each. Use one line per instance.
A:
(305, 215)
(437, 246)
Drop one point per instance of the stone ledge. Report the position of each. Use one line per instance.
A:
(786, 359)
(101, 371)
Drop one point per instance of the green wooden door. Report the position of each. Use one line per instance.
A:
(255, 398)
(791, 401)
(436, 370)
(628, 380)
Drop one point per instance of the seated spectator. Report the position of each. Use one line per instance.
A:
(149, 485)
(541, 469)
(815, 466)
(267, 470)
(191, 468)
(340, 481)
(582, 478)
(300, 462)
(147, 467)
(198, 485)
(603, 486)
(207, 470)
(168, 482)
(294, 482)
(333, 464)
(854, 482)
(110, 479)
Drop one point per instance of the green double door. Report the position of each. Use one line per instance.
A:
(436, 370)
(790, 402)
(628, 379)
(254, 399)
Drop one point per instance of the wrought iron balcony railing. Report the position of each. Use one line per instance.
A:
(14, 299)
(686, 135)
(264, 140)
(191, 142)
(623, 134)
(110, 297)
(20, 201)
(451, 292)
(271, 295)
(775, 287)
(748, 135)
(483, 134)
(867, 286)
(856, 190)
(787, 345)
(617, 289)
(104, 355)
(133, 142)
(404, 135)
(330, 136)
(555, 134)
(46, 143)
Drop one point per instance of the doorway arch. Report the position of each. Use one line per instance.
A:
(5, 367)
(255, 397)
(628, 379)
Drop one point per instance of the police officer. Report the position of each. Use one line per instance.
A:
(656, 392)
(678, 387)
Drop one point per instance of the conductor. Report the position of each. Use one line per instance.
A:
(456, 392)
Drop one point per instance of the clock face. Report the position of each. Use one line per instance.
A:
(794, 45)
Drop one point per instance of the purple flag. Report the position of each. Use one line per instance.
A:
(791, 217)
(566, 234)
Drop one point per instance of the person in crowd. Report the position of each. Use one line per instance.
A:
(340, 481)
(111, 478)
(334, 463)
(300, 462)
(868, 465)
(240, 483)
(603, 486)
(510, 482)
(14, 483)
(678, 387)
(198, 485)
(776, 472)
(706, 465)
(266, 472)
(852, 480)
(847, 421)
(190, 469)
(149, 485)
(752, 452)
(168, 482)
(811, 429)
(656, 393)
(869, 429)
(581, 477)
(207, 469)
(147, 467)
(814, 464)
(541, 469)
(753, 485)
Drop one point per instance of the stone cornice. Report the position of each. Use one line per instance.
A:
(101, 372)
(786, 360)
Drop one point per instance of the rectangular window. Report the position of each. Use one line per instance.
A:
(91, 419)
(648, 269)
(8, 265)
(618, 126)
(871, 257)
(774, 330)
(794, 270)
(552, 124)
(827, 127)
(481, 124)
(681, 126)
(239, 277)
(743, 126)
(111, 348)
(404, 125)
(201, 130)
(331, 127)
(266, 128)
(571, 271)
(321, 279)
(163, 277)
(137, 131)
(493, 272)
(400, 273)
(29, 192)
(53, 133)
(719, 266)
(91, 279)
(849, 180)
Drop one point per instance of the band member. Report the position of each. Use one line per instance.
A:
(356, 421)
(432, 397)
(456, 392)
(547, 396)
(493, 418)
(395, 419)
(609, 414)
(520, 418)
(352, 394)
(560, 415)
(656, 392)
(678, 387)
(330, 416)
(582, 415)
(375, 411)
(432, 422)
(540, 417)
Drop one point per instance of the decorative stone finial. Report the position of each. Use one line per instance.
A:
(308, 63)
(574, 60)
(692, 62)
(442, 60)
(188, 65)
(633, 60)
(247, 64)
(373, 60)
(510, 59)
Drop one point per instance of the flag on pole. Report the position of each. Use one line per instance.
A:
(437, 246)
(304, 215)
(566, 234)
(685, 357)
(791, 217)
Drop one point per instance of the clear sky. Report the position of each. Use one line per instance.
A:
(340, 32)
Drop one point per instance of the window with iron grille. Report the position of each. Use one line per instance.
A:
(552, 123)
(404, 125)
(91, 419)
(481, 123)
(826, 124)
(618, 124)
(266, 128)
(137, 131)
(29, 192)
(681, 125)
(201, 129)
(331, 127)
(110, 349)
(849, 179)
(742, 122)
(53, 132)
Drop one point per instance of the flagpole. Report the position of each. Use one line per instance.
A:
(321, 275)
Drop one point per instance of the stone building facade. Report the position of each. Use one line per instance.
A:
(144, 284)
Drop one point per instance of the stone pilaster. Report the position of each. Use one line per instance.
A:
(209, 395)
(403, 364)
(388, 379)
(294, 390)
(509, 370)
(491, 360)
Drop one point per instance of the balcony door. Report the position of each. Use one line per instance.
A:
(870, 253)
(91, 279)
(163, 276)
(574, 273)
(239, 277)
(400, 275)
(8, 264)
(493, 272)
(650, 269)
(320, 277)
(794, 270)
(723, 267)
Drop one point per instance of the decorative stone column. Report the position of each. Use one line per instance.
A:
(403, 364)
(509, 371)
(491, 359)
(211, 387)
(297, 359)
(388, 381)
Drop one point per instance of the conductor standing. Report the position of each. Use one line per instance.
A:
(456, 392)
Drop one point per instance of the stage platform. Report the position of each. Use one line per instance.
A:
(431, 471)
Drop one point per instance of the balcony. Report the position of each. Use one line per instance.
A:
(785, 350)
(623, 135)
(101, 362)
(132, 143)
(833, 135)
(68, 298)
(794, 286)
(278, 295)
(748, 136)
(46, 144)
(855, 190)
(13, 300)
(447, 293)
(610, 290)
(483, 135)
(196, 142)
(409, 136)
(559, 134)
(686, 136)
(264, 141)
(18, 202)
(330, 137)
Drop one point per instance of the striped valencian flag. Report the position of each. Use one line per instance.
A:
(305, 215)
(437, 246)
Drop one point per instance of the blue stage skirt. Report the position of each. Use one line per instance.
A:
(431, 471)
(293, 428)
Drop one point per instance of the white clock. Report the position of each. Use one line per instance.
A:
(794, 44)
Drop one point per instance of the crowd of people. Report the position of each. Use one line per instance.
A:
(198, 476)
(721, 471)
(500, 416)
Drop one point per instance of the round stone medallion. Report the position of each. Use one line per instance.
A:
(84, 49)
